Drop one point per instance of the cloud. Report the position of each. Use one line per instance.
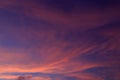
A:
(26, 77)
(63, 57)
(77, 17)
(76, 44)
(13, 77)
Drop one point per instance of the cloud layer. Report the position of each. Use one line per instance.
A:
(59, 40)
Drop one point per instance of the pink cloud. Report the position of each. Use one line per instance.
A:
(43, 52)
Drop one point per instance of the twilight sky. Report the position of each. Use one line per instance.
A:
(59, 39)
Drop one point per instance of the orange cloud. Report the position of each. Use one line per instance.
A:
(8, 76)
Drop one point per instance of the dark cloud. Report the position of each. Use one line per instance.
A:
(21, 78)
(70, 4)
(85, 14)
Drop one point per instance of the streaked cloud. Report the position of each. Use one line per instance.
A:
(41, 41)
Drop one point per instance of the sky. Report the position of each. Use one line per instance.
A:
(59, 39)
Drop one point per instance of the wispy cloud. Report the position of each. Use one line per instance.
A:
(51, 44)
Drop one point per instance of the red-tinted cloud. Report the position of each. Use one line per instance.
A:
(61, 47)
